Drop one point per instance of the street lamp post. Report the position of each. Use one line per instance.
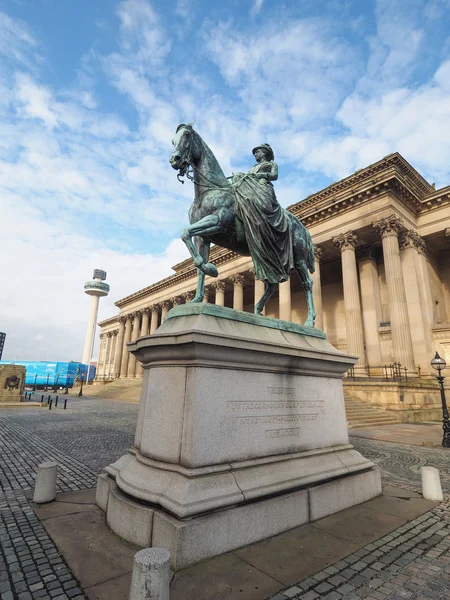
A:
(46, 385)
(56, 383)
(439, 364)
(34, 386)
(67, 385)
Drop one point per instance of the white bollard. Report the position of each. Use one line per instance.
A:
(151, 575)
(45, 487)
(431, 484)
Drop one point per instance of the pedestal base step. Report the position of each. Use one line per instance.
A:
(195, 539)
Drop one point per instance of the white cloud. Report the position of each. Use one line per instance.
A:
(257, 5)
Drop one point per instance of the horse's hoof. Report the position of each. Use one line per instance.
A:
(210, 270)
(258, 311)
(309, 323)
(196, 300)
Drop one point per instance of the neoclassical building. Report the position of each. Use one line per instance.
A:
(381, 283)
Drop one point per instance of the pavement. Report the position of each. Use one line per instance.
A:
(394, 547)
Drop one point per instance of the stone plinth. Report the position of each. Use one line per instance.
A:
(12, 383)
(241, 435)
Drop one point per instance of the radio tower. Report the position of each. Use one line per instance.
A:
(96, 288)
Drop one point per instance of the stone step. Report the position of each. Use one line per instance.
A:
(361, 414)
(364, 424)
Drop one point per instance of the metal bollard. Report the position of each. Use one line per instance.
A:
(48, 397)
(42, 398)
(50, 405)
(45, 486)
(65, 403)
(56, 400)
(151, 575)
(431, 484)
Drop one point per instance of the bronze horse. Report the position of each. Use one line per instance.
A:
(213, 218)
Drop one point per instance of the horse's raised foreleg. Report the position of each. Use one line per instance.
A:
(202, 247)
(271, 288)
(209, 225)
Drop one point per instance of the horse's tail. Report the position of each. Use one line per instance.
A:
(310, 258)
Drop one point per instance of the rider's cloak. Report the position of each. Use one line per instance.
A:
(266, 223)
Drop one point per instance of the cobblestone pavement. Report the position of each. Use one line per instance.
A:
(411, 563)
(83, 439)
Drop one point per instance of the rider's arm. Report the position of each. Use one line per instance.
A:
(268, 171)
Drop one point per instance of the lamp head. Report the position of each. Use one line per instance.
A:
(438, 363)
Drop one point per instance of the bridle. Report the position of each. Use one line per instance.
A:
(189, 168)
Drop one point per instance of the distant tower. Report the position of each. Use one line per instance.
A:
(95, 288)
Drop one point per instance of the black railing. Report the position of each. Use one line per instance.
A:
(392, 372)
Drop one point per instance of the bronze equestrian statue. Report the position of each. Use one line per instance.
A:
(242, 214)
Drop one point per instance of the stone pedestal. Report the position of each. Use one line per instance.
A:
(241, 435)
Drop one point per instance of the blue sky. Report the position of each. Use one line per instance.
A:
(91, 94)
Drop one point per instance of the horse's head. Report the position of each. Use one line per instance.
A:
(186, 148)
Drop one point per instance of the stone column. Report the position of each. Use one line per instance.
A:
(317, 287)
(107, 355)
(412, 258)
(119, 347)
(166, 306)
(389, 229)
(154, 320)
(371, 305)
(144, 331)
(126, 339)
(260, 288)
(207, 294)
(444, 264)
(346, 242)
(134, 336)
(238, 291)
(285, 301)
(219, 286)
(110, 373)
(101, 363)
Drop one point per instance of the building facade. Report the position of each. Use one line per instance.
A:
(381, 284)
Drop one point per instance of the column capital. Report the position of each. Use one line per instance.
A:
(115, 332)
(411, 239)
(137, 314)
(389, 226)
(167, 304)
(447, 232)
(318, 253)
(155, 308)
(129, 316)
(346, 241)
(147, 310)
(110, 333)
(176, 300)
(219, 285)
(188, 296)
(238, 278)
(103, 335)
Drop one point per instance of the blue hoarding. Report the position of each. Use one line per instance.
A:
(53, 373)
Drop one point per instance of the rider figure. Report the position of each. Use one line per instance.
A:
(266, 223)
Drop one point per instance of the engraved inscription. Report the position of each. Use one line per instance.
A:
(276, 419)
(281, 391)
(238, 405)
(282, 433)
